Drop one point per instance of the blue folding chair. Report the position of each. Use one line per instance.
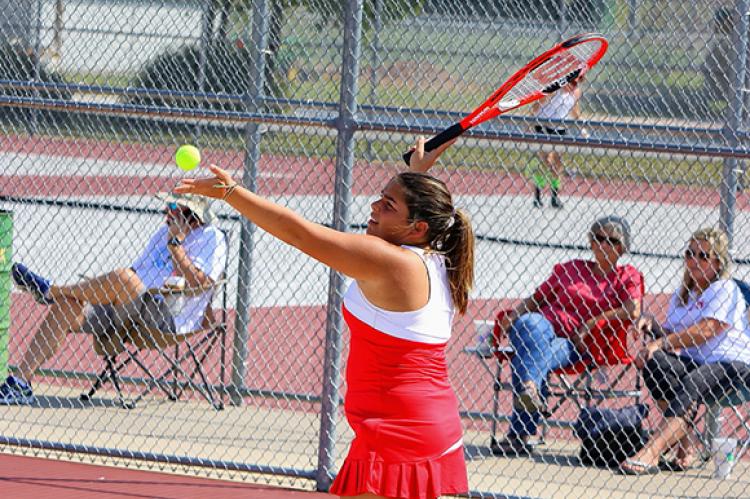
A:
(734, 400)
(714, 408)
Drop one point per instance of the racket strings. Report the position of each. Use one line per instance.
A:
(524, 87)
(563, 64)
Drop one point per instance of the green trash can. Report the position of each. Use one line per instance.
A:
(6, 260)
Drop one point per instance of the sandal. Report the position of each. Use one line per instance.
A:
(675, 466)
(629, 467)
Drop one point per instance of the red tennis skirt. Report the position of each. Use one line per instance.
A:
(404, 413)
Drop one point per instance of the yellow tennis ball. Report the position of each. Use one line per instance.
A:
(187, 157)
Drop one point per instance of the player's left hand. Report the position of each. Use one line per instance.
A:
(213, 187)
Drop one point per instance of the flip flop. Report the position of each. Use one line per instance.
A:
(645, 469)
(674, 466)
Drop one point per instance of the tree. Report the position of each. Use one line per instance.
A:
(330, 12)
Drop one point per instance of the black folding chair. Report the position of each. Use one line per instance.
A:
(118, 352)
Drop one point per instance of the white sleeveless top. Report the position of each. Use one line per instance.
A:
(430, 324)
(557, 106)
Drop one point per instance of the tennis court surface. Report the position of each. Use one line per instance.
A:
(23, 477)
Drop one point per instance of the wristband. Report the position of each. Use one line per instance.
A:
(229, 191)
(174, 241)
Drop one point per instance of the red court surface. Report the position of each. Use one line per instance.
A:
(24, 477)
(298, 175)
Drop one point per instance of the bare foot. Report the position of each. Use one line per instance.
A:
(685, 455)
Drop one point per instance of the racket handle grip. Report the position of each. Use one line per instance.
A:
(438, 140)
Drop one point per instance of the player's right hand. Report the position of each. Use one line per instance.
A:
(422, 160)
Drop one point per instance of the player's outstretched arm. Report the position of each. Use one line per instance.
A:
(359, 256)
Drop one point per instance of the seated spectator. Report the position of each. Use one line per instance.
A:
(551, 328)
(702, 350)
(186, 246)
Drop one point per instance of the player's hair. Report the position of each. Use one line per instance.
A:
(449, 230)
(719, 242)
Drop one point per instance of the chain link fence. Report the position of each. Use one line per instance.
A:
(311, 103)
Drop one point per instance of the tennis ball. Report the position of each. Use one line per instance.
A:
(187, 157)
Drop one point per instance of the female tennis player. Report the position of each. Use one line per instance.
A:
(411, 270)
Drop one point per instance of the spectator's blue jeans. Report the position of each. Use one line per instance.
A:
(538, 351)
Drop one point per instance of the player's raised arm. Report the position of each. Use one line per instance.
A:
(355, 255)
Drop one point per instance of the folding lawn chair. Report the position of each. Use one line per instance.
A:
(120, 351)
(608, 347)
(734, 400)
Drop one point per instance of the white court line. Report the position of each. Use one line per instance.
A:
(23, 163)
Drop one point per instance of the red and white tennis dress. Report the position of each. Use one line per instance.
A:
(408, 437)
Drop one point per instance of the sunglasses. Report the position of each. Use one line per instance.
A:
(172, 206)
(601, 238)
(700, 255)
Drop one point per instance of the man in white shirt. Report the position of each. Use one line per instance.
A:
(187, 249)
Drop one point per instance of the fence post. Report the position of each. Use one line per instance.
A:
(375, 61)
(37, 51)
(733, 120)
(249, 180)
(203, 47)
(341, 203)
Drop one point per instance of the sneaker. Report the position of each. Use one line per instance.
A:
(511, 446)
(538, 198)
(32, 283)
(16, 392)
(556, 203)
(528, 399)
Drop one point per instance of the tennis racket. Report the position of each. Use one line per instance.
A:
(544, 75)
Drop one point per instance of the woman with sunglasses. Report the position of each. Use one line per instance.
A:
(552, 328)
(701, 350)
(412, 271)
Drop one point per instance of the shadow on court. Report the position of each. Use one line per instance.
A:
(50, 402)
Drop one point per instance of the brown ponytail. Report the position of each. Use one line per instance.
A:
(459, 251)
(450, 232)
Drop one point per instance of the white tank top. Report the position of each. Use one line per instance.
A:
(558, 106)
(430, 324)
